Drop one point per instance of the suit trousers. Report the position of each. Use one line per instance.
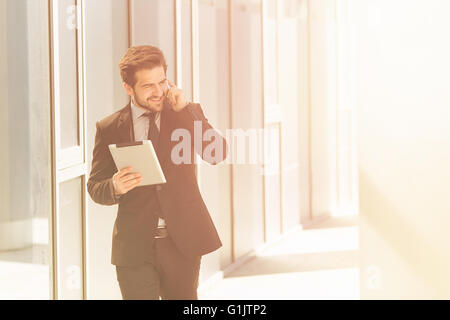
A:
(170, 275)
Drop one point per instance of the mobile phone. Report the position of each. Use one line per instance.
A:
(167, 104)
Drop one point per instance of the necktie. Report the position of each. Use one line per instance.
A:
(153, 132)
(153, 135)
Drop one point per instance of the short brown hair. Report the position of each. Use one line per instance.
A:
(138, 58)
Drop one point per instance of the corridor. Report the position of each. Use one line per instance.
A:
(329, 107)
(319, 262)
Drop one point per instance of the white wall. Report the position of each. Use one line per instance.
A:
(403, 85)
(4, 128)
(246, 86)
(289, 48)
(106, 25)
(304, 113)
(214, 91)
(322, 106)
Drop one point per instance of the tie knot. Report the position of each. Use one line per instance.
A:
(150, 115)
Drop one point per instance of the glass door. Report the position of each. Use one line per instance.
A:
(25, 157)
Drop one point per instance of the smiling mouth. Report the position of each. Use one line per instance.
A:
(156, 100)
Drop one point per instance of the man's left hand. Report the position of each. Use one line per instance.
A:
(176, 97)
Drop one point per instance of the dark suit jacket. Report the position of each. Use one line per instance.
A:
(187, 218)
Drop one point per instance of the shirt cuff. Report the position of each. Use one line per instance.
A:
(115, 196)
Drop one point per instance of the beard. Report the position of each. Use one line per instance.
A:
(148, 104)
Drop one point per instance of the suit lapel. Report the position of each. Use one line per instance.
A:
(125, 130)
(164, 136)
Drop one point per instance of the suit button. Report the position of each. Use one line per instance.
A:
(158, 188)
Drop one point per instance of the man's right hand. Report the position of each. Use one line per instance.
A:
(126, 180)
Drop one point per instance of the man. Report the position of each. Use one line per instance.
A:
(161, 231)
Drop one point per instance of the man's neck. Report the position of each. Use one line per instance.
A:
(140, 107)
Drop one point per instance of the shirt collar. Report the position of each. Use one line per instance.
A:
(137, 112)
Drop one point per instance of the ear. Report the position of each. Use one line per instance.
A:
(128, 88)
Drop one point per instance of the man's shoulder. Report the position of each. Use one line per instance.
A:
(112, 119)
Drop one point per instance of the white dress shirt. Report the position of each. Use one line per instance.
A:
(141, 126)
(140, 122)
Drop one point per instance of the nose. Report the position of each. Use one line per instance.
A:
(159, 90)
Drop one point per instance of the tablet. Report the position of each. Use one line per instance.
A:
(142, 157)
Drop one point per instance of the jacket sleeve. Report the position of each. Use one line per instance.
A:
(100, 183)
(192, 117)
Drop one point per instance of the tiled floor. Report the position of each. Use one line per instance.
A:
(320, 262)
(25, 273)
(24, 281)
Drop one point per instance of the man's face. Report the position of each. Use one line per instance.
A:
(150, 88)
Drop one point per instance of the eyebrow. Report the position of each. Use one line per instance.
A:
(149, 84)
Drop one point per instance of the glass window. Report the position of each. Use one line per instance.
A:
(68, 75)
(25, 187)
(186, 49)
(70, 242)
(270, 54)
(153, 23)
